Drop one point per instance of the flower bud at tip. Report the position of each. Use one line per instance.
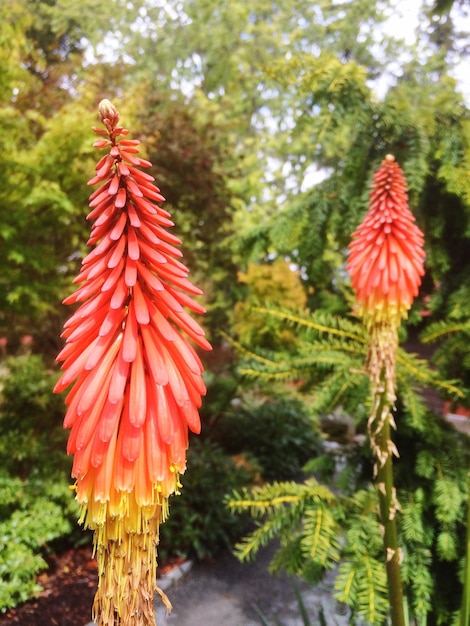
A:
(108, 112)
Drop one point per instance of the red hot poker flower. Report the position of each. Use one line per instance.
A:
(386, 256)
(137, 382)
(386, 262)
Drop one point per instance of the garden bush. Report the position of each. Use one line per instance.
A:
(32, 439)
(34, 513)
(278, 433)
(37, 509)
(200, 524)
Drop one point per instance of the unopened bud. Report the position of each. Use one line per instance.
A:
(108, 113)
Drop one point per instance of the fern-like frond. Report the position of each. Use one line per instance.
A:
(411, 522)
(320, 533)
(441, 329)
(316, 363)
(264, 504)
(288, 558)
(447, 499)
(266, 498)
(413, 403)
(284, 374)
(417, 579)
(253, 356)
(363, 534)
(324, 359)
(419, 370)
(282, 507)
(414, 366)
(273, 527)
(446, 543)
(338, 387)
(318, 358)
(354, 349)
(362, 584)
(320, 322)
(425, 464)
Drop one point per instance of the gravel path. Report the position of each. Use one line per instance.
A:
(225, 593)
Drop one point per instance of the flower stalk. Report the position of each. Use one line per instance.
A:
(136, 379)
(388, 504)
(386, 262)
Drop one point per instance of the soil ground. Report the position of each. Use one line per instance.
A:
(68, 591)
(222, 592)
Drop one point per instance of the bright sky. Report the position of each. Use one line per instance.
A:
(403, 24)
(405, 20)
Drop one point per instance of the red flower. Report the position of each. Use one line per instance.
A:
(137, 382)
(386, 256)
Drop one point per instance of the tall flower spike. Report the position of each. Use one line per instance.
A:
(386, 257)
(137, 382)
(386, 262)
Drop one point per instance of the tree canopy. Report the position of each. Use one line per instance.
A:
(264, 122)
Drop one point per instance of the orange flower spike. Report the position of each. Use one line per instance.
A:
(386, 255)
(137, 381)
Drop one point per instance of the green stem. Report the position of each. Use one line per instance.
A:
(388, 509)
(465, 612)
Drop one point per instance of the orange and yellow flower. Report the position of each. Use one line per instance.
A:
(137, 380)
(386, 256)
(386, 263)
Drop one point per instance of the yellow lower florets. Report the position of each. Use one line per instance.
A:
(126, 536)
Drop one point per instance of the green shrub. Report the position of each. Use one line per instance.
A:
(37, 508)
(319, 527)
(32, 439)
(200, 523)
(32, 515)
(278, 433)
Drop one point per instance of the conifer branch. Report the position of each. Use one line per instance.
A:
(442, 329)
(322, 323)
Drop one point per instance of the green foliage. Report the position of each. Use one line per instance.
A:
(199, 523)
(361, 582)
(43, 200)
(345, 131)
(286, 507)
(292, 92)
(13, 45)
(278, 434)
(328, 357)
(36, 505)
(267, 284)
(45, 157)
(431, 475)
(241, 116)
(32, 440)
(317, 529)
(34, 513)
(431, 479)
(452, 355)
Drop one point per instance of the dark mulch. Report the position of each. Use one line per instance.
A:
(69, 587)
